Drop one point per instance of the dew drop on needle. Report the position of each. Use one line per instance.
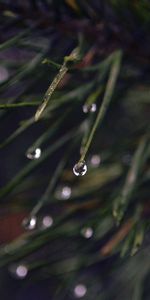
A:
(87, 232)
(47, 222)
(89, 108)
(18, 271)
(80, 168)
(80, 290)
(29, 223)
(33, 154)
(63, 192)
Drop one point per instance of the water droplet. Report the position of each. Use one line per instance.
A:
(80, 290)
(29, 223)
(95, 161)
(47, 222)
(87, 232)
(89, 108)
(34, 154)
(80, 168)
(19, 271)
(63, 193)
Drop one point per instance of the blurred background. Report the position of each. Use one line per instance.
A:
(63, 236)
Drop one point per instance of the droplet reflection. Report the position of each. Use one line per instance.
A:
(89, 108)
(33, 154)
(80, 168)
(21, 271)
(66, 192)
(87, 232)
(95, 161)
(18, 271)
(63, 192)
(47, 222)
(80, 290)
(29, 223)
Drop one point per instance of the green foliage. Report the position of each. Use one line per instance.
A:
(110, 68)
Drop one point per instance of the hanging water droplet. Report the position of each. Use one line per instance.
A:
(18, 271)
(29, 223)
(87, 232)
(95, 161)
(47, 222)
(63, 193)
(34, 154)
(80, 290)
(89, 108)
(80, 168)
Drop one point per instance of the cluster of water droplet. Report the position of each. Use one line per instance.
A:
(80, 168)
(31, 222)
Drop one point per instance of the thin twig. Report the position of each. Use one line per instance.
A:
(63, 70)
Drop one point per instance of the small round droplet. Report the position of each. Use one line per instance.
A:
(80, 290)
(34, 154)
(80, 168)
(21, 271)
(89, 108)
(29, 223)
(18, 271)
(47, 222)
(63, 193)
(87, 232)
(95, 161)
